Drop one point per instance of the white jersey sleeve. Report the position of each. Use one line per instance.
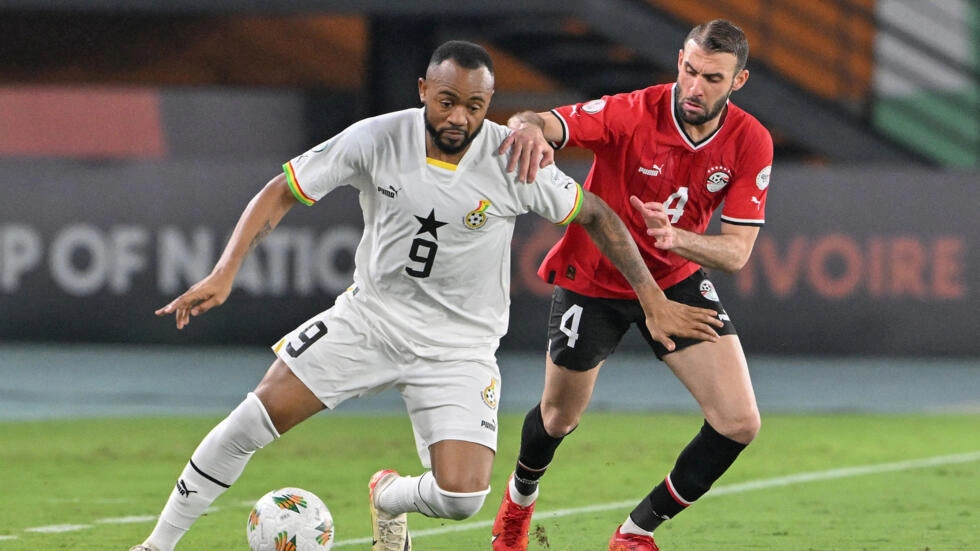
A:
(341, 160)
(553, 195)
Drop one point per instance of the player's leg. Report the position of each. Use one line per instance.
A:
(717, 376)
(453, 408)
(279, 402)
(566, 395)
(583, 331)
(454, 489)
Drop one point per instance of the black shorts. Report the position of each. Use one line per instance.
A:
(583, 331)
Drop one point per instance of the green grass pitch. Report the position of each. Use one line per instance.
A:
(809, 482)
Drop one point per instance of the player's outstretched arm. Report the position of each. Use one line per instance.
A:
(528, 144)
(664, 318)
(262, 214)
(728, 251)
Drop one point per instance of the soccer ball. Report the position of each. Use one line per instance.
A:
(290, 519)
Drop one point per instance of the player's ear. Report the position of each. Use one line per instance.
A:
(740, 79)
(422, 87)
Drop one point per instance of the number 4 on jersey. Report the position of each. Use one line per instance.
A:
(674, 205)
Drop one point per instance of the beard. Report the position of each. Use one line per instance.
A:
(709, 112)
(446, 145)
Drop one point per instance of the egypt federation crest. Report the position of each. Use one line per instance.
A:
(718, 178)
(708, 290)
(476, 218)
(491, 394)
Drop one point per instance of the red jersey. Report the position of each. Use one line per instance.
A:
(640, 149)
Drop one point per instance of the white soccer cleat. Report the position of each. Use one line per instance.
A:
(390, 532)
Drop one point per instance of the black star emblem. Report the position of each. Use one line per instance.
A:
(429, 224)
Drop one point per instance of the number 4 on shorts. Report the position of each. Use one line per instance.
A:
(569, 323)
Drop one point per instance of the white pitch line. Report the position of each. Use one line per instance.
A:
(727, 489)
(58, 528)
(127, 520)
(789, 480)
(847, 472)
(99, 500)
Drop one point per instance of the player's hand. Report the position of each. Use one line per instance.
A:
(204, 295)
(680, 320)
(528, 151)
(658, 223)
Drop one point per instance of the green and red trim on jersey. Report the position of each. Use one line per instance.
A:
(294, 185)
(579, 199)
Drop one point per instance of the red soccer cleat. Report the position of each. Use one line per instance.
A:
(511, 527)
(631, 542)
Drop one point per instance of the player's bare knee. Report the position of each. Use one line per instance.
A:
(558, 423)
(286, 399)
(464, 484)
(754, 427)
(741, 428)
(750, 426)
(559, 429)
(280, 417)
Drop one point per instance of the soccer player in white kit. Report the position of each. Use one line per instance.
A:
(428, 305)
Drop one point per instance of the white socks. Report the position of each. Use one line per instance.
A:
(215, 465)
(421, 494)
(630, 527)
(517, 497)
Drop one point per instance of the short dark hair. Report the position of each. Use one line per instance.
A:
(466, 54)
(721, 36)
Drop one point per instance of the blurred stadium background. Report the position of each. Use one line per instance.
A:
(133, 132)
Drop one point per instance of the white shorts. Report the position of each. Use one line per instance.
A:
(347, 351)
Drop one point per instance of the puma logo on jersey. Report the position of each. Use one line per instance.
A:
(655, 171)
(390, 192)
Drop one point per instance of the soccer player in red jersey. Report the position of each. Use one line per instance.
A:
(428, 325)
(666, 157)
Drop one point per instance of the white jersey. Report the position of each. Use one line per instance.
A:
(434, 259)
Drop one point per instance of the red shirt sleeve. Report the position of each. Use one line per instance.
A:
(602, 123)
(746, 200)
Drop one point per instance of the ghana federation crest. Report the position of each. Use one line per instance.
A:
(491, 394)
(476, 218)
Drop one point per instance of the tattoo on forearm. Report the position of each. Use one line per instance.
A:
(266, 230)
(613, 245)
